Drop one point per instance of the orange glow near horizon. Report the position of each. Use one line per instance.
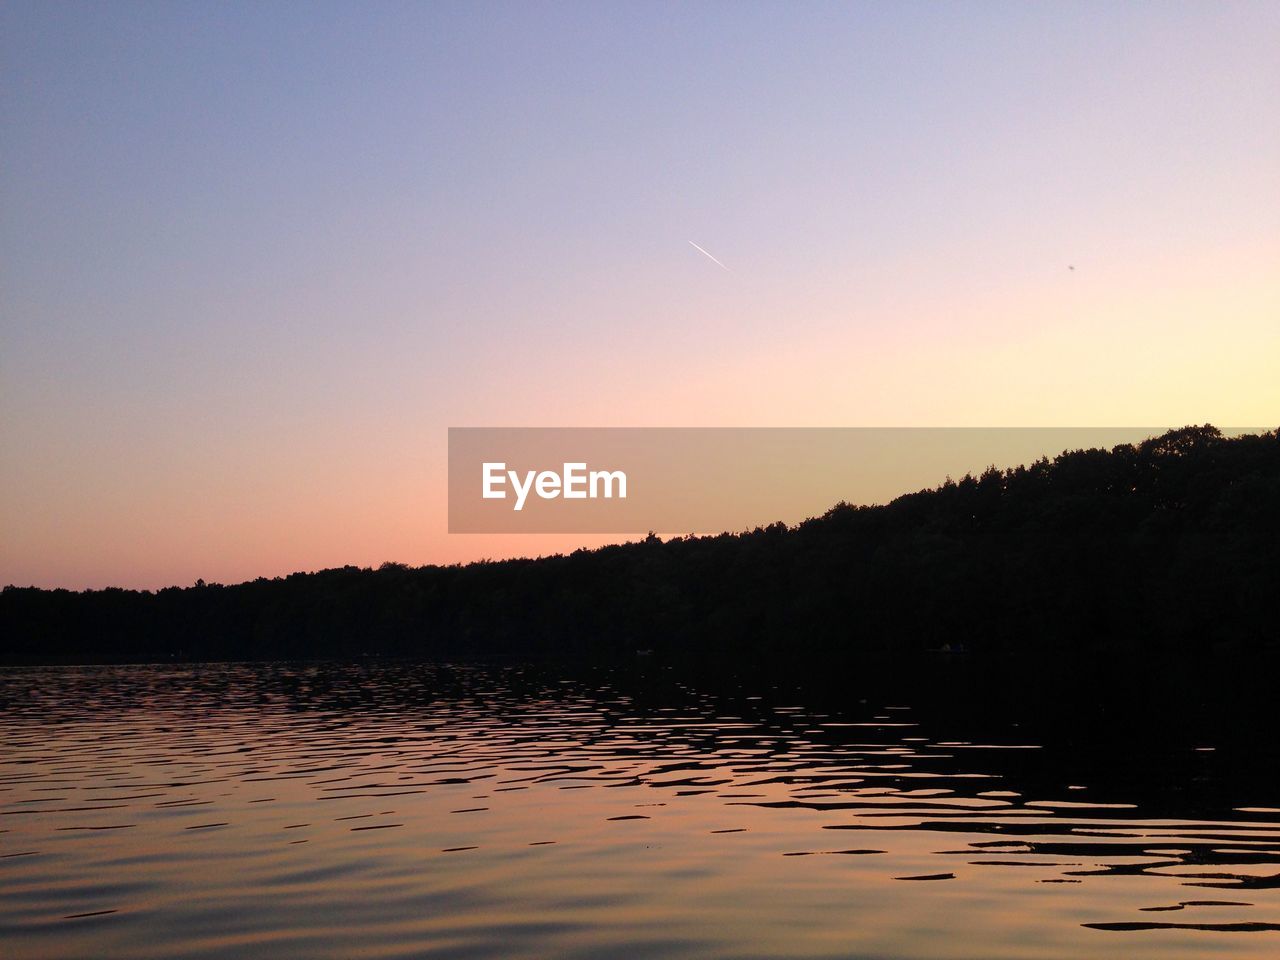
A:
(232, 341)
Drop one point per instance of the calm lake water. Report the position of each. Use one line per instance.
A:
(413, 810)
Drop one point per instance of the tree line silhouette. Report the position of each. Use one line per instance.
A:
(1143, 556)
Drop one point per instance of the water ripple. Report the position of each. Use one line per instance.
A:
(227, 810)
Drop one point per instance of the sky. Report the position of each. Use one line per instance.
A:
(255, 259)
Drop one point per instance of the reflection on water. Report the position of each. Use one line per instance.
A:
(416, 810)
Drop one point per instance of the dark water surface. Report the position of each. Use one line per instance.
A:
(412, 810)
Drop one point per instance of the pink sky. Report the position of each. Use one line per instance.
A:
(245, 295)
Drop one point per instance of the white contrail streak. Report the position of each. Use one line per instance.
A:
(709, 257)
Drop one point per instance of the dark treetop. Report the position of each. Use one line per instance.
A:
(1164, 553)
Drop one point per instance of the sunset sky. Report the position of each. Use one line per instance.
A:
(255, 259)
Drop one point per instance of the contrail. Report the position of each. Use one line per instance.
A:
(708, 256)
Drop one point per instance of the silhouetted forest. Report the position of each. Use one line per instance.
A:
(1166, 552)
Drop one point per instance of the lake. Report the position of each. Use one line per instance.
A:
(387, 810)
